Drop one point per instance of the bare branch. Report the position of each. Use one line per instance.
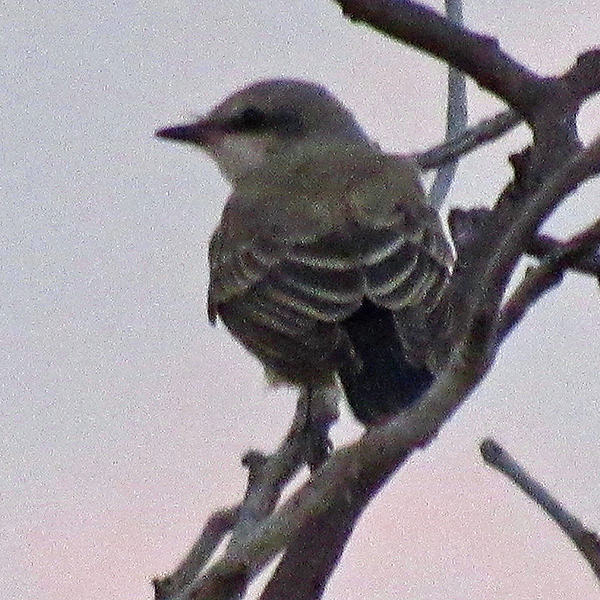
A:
(586, 541)
(267, 476)
(309, 560)
(485, 131)
(544, 246)
(465, 225)
(548, 104)
(579, 168)
(582, 78)
(484, 267)
(477, 55)
(539, 280)
(456, 116)
(218, 525)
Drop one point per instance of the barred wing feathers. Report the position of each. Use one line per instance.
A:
(288, 269)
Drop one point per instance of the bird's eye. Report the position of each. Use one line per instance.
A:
(251, 118)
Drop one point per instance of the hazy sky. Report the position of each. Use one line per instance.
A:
(124, 414)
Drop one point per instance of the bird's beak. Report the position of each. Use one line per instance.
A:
(203, 132)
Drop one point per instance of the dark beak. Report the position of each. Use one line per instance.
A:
(180, 133)
(201, 132)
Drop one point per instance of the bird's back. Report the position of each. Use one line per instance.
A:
(310, 274)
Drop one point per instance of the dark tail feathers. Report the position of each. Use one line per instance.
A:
(387, 382)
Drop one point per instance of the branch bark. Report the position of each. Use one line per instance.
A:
(476, 55)
(319, 517)
(470, 139)
(585, 540)
(465, 224)
(539, 280)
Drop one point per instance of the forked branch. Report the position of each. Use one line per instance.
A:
(326, 507)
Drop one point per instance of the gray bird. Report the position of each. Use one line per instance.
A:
(328, 264)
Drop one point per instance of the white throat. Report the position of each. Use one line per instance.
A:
(236, 155)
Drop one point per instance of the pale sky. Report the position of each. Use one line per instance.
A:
(124, 414)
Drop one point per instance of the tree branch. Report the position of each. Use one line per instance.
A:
(548, 104)
(465, 226)
(476, 55)
(215, 529)
(544, 246)
(539, 280)
(267, 476)
(585, 540)
(456, 116)
(579, 168)
(483, 132)
(309, 560)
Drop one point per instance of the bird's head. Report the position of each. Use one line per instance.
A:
(267, 119)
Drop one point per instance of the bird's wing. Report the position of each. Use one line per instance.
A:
(288, 231)
(281, 291)
(289, 266)
(407, 258)
(238, 258)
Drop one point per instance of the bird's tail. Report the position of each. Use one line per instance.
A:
(386, 382)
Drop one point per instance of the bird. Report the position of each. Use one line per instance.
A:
(328, 264)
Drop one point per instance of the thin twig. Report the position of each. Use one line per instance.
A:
(508, 244)
(539, 280)
(218, 525)
(586, 541)
(267, 476)
(466, 225)
(544, 246)
(456, 116)
(483, 132)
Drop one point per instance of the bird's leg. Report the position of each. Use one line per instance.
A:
(321, 412)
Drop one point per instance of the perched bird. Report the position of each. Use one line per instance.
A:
(327, 264)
